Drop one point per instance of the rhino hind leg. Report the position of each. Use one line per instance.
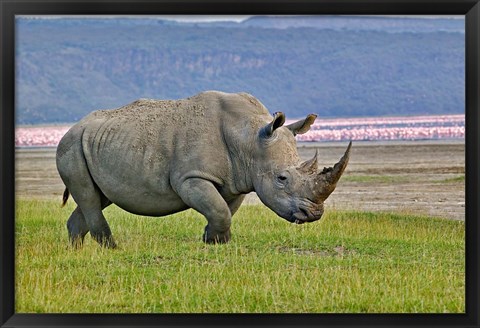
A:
(77, 226)
(202, 196)
(88, 216)
(91, 217)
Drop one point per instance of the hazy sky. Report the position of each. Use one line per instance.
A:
(212, 18)
(183, 18)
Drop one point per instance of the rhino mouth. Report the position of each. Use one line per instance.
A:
(300, 217)
(304, 215)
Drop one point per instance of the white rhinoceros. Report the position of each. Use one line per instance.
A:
(206, 152)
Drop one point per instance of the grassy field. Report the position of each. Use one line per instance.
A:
(349, 262)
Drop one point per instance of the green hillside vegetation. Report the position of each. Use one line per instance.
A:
(67, 68)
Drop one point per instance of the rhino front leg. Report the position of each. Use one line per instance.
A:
(234, 204)
(202, 196)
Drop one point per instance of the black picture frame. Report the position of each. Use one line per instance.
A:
(10, 8)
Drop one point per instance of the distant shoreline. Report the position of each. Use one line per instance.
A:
(323, 144)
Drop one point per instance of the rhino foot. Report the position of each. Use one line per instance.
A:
(76, 242)
(105, 240)
(212, 237)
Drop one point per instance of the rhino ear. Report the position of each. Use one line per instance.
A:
(278, 120)
(302, 126)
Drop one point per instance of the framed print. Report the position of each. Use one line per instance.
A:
(230, 163)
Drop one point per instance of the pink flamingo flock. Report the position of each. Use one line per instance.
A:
(39, 136)
(387, 128)
(383, 128)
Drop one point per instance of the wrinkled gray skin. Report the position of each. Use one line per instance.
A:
(155, 158)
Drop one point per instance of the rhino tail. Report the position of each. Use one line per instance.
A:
(66, 193)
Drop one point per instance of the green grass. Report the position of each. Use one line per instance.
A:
(395, 179)
(348, 262)
(375, 178)
(459, 178)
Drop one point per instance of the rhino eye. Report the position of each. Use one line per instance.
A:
(282, 178)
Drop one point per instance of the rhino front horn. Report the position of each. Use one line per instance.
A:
(329, 177)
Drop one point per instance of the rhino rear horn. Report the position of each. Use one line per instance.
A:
(329, 177)
(278, 121)
(310, 166)
(302, 126)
